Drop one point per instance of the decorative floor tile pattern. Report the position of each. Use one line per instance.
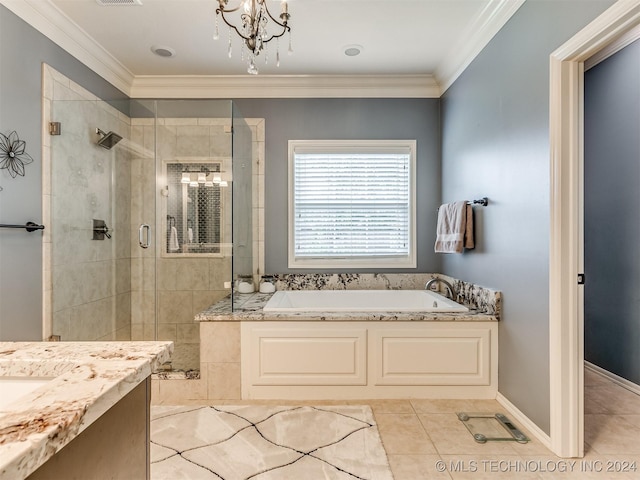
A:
(265, 442)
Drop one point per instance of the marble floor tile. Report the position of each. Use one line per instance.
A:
(417, 467)
(387, 406)
(614, 399)
(611, 434)
(403, 434)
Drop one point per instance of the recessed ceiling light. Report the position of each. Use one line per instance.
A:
(352, 50)
(163, 51)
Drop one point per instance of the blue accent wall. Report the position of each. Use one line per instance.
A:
(612, 218)
(495, 143)
(340, 119)
(22, 52)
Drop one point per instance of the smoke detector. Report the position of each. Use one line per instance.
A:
(118, 3)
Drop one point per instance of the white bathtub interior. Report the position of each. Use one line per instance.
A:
(14, 388)
(291, 301)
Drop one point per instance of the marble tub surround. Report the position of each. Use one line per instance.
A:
(249, 307)
(476, 297)
(90, 378)
(266, 441)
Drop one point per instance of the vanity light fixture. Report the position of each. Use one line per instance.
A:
(217, 178)
(202, 177)
(253, 19)
(186, 177)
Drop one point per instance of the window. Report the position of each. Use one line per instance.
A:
(352, 204)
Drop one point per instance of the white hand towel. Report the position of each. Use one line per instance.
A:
(174, 246)
(190, 234)
(451, 227)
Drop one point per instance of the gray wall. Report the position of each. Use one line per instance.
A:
(495, 143)
(22, 52)
(612, 221)
(338, 119)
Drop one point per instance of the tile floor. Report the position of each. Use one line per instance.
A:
(425, 440)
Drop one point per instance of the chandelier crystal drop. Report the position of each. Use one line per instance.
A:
(251, 22)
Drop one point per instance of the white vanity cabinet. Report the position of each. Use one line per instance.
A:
(351, 360)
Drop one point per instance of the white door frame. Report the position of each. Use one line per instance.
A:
(566, 323)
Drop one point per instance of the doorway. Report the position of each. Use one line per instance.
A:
(566, 296)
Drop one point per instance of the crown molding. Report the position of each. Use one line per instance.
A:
(285, 86)
(489, 22)
(45, 17)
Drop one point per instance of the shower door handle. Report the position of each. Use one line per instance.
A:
(144, 235)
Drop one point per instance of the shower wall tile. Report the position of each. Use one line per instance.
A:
(123, 275)
(167, 270)
(186, 356)
(193, 141)
(82, 92)
(123, 311)
(61, 323)
(149, 332)
(137, 332)
(219, 272)
(123, 334)
(167, 331)
(204, 299)
(188, 333)
(175, 307)
(192, 274)
(221, 145)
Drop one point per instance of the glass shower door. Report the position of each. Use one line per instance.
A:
(141, 222)
(193, 151)
(244, 213)
(90, 200)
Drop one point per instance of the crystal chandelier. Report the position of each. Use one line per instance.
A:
(254, 19)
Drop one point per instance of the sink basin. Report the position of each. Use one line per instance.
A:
(13, 388)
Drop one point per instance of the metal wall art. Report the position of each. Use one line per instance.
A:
(12, 154)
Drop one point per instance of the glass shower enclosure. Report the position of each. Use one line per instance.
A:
(151, 218)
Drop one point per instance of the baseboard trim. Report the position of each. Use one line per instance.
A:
(623, 382)
(524, 421)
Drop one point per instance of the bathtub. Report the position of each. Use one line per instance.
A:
(291, 301)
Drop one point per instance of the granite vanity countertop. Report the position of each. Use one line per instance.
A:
(90, 377)
(248, 308)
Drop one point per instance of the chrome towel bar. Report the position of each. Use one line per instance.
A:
(29, 226)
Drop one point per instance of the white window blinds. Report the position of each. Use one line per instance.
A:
(352, 202)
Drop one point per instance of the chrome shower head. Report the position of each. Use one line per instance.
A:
(108, 140)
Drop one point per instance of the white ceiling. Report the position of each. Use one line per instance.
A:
(426, 39)
(399, 37)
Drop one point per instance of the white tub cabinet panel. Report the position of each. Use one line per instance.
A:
(308, 355)
(431, 356)
(356, 360)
